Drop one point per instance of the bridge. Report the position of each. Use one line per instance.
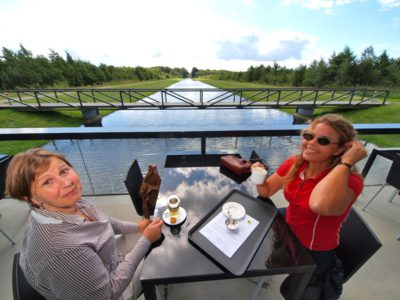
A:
(191, 98)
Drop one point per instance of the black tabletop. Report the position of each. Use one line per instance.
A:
(200, 189)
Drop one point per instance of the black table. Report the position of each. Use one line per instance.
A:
(177, 261)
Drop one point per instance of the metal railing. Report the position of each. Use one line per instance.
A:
(103, 172)
(175, 132)
(108, 98)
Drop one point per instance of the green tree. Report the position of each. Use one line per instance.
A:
(299, 75)
(194, 72)
(383, 65)
(367, 73)
(7, 69)
(342, 68)
(250, 74)
(58, 65)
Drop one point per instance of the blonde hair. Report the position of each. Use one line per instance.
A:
(24, 168)
(343, 127)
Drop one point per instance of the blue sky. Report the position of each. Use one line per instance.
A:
(213, 34)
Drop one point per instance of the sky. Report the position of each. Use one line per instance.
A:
(206, 34)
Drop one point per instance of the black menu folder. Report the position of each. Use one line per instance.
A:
(263, 212)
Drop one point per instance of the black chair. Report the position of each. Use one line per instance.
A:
(254, 157)
(4, 160)
(133, 182)
(357, 244)
(391, 179)
(22, 290)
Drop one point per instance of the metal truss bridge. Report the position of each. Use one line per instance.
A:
(191, 98)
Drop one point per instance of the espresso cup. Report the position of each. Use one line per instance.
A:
(258, 175)
(173, 204)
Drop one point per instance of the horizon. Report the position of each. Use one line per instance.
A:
(215, 35)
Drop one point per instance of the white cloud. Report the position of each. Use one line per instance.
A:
(284, 46)
(326, 5)
(174, 33)
(126, 32)
(250, 3)
(329, 5)
(245, 46)
(387, 4)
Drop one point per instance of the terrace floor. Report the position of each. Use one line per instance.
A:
(377, 279)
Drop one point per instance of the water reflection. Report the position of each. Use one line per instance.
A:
(199, 117)
(207, 185)
(103, 164)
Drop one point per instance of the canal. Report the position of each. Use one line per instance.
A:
(103, 164)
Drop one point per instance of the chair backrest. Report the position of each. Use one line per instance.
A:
(393, 177)
(357, 243)
(133, 182)
(254, 157)
(21, 288)
(3, 168)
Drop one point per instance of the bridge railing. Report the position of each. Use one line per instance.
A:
(109, 98)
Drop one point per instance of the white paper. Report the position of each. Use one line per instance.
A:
(228, 241)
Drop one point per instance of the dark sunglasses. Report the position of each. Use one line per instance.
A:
(322, 140)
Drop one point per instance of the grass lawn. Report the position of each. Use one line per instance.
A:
(389, 113)
(60, 118)
(89, 96)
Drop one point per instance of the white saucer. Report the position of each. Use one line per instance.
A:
(180, 216)
(236, 210)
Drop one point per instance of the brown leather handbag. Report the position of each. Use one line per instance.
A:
(149, 190)
(237, 165)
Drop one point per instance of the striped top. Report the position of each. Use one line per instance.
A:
(65, 257)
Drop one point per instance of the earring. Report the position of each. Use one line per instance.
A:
(41, 205)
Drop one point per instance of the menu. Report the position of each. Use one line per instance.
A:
(228, 241)
(233, 250)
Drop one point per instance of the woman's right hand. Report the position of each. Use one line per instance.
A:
(153, 231)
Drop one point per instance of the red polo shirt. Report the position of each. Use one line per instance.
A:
(315, 232)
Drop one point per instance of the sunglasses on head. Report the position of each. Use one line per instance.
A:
(322, 140)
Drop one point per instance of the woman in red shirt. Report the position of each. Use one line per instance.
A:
(320, 186)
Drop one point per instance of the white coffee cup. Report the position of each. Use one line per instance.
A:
(258, 175)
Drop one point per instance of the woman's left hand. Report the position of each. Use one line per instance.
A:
(143, 224)
(354, 153)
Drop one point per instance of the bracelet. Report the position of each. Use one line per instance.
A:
(346, 164)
